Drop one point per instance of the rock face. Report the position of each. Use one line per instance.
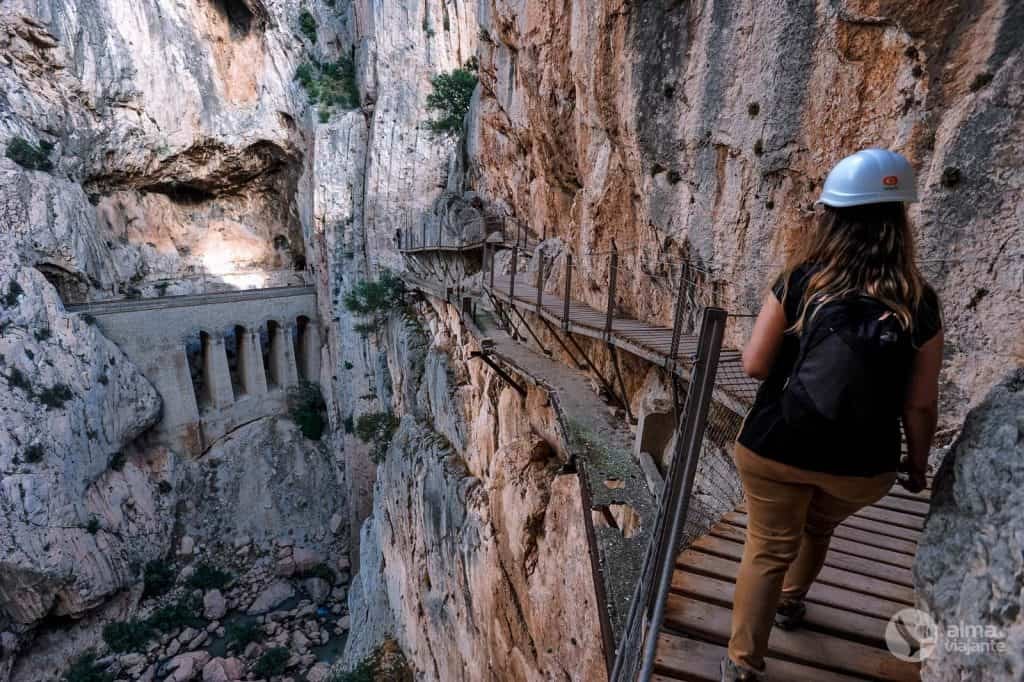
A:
(475, 555)
(701, 132)
(73, 517)
(971, 557)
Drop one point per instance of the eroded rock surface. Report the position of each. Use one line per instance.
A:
(971, 556)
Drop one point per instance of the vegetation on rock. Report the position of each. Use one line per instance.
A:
(241, 633)
(306, 407)
(307, 24)
(158, 578)
(14, 292)
(27, 155)
(451, 97)
(331, 86)
(374, 301)
(86, 669)
(272, 662)
(209, 577)
(377, 429)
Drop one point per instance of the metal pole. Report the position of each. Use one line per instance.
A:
(494, 251)
(688, 446)
(540, 280)
(423, 239)
(568, 290)
(677, 322)
(512, 282)
(613, 273)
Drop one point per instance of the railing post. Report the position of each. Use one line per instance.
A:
(568, 291)
(677, 322)
(636, 652)
(613, 273)
(494, 252)
(512, 283)
(540, 280)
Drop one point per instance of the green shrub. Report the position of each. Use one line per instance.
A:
(322, 571)
(17, 379)
(158, 578)
(307, 24)
(349, 424)
(14, 292)
(450, 98)
(93, 526)
(42, 334)
(272, 662)
(375, 300)
(86, 669)
(306, 407)
(366, 671)
(331, 86)
(209, 577)
(55, 396)
(34, 453)
(27, 155)
(377, 429)
(180, 614)
(241, 633)
(127, 636)
(164, 487)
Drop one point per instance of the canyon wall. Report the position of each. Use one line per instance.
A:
(476, 556)
(697, 135)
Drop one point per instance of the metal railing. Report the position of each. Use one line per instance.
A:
(634, 659)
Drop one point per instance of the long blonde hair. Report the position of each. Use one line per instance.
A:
(860, 250)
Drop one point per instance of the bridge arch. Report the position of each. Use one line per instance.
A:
(307, 348)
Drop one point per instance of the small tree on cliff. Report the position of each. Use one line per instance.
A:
(452, 94)
(374, 301)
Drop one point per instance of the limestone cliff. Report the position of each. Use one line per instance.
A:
(968, 569)
(697, 135)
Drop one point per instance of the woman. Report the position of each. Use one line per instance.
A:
(848, 341)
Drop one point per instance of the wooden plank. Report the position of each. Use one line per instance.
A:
(821, 592)
(843, 554)
(846, 577)
(839, 622)
(879, 528)
(877, 514)
(682, 658)
(706, 620)
(842, 532)
(893, 517)
(903, 505)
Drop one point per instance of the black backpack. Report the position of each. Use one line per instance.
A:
(852, 368)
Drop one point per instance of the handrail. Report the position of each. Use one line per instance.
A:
(651, 593)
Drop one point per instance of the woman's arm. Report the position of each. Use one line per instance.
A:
(759, 353)
(921, 409)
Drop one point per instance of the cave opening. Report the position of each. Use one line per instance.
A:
(238, 14)
(72, 288)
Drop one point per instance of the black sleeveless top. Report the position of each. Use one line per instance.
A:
(766, 432)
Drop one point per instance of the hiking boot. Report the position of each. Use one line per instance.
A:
(789, 615)
(735, 673)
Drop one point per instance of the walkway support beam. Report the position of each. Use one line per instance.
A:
(499, 371)
(568, 292)
(613, 273)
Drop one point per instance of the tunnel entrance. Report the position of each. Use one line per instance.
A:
(238, 14)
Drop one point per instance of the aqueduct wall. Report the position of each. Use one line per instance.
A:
(218, 360)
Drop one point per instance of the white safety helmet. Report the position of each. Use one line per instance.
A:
(871, 176)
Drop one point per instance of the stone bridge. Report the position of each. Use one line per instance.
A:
(218, 360)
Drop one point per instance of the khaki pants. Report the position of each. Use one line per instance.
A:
(791, 514)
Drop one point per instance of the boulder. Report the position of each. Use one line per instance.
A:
(271, 596)
(971, 555)
(223, 670)
(214, 605)
(319, 673)
(305, 559)
(187, 547)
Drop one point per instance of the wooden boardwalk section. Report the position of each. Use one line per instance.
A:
(866, 579)
(653, 343)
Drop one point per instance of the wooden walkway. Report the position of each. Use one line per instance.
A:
(866, 579)
(653, 343)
